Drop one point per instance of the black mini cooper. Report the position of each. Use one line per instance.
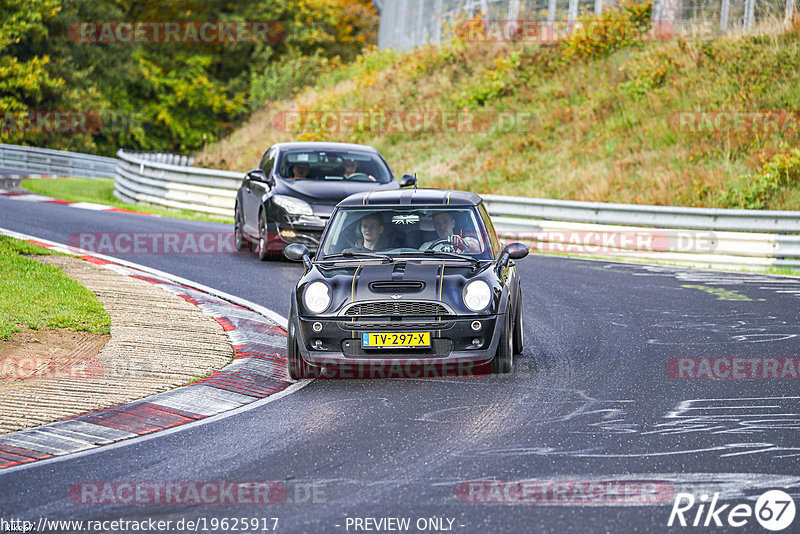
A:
(407, 283)
(290, 196)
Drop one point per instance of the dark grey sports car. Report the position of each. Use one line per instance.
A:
(290, 196)
(408, 284)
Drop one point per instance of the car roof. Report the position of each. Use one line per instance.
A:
(406, 197)
(315, 145)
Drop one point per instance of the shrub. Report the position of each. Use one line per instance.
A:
(616, 27)
(756, 191)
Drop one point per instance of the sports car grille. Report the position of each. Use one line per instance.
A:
(397, 309)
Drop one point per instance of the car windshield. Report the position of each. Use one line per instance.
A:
(397, 231)
(334, 165)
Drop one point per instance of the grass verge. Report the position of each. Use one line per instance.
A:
(40, 296)
(101, 191)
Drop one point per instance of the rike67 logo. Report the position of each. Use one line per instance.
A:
(774, 510)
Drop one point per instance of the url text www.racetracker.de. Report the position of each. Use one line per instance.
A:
(176, 526)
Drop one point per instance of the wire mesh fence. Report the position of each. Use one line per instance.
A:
(410, 23)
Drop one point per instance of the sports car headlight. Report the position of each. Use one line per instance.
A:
(317, 297)
(477, 295)
(293, 206)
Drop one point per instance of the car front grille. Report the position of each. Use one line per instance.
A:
(415, 309)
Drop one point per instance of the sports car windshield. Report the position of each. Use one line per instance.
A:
(334, 165)
(406, 232)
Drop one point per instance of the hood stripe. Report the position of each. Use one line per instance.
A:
(353, 297)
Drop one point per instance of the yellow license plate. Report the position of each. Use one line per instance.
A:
(395, 339)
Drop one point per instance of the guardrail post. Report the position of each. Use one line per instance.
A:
(658, 11)
(572, 13)
(439, 16)
(749, 6)
(789, 10)
(723, 15)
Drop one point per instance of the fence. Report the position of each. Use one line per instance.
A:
(56, 162)
(410, 23)
(169, 182)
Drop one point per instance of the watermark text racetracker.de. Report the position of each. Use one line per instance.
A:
(419, 121)
(544, 31)
(138, 493)
(71, 368)
(68, 122)
(734, 368)
(178, 32)
(566, 492)
(154, 242)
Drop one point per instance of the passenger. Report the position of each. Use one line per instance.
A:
(372, 235)
(445, 224)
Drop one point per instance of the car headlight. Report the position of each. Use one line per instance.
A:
(317, 297)
(293, 206)
(477, 295)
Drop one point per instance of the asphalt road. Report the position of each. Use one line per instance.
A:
(590, 400)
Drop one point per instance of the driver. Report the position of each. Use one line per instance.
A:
(351, 168)
(301, 170)
(372, 235)
(445, 223)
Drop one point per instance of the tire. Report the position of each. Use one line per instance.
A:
(239, 242)
(503, 361)
(519, 334)
(297, 366)
(263, 240)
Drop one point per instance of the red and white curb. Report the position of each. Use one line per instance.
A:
(257, 373)
(33, 197)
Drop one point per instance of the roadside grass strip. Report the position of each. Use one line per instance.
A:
(98, 194)
(40, 296)
(257, 371)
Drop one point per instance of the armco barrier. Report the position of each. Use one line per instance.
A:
(169, 182)
(703, 237)
(34, 160)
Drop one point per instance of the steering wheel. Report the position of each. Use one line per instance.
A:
(445, 245)
(358, 175)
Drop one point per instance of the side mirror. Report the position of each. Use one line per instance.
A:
(516, 251)
(297, 252)
(408, 180)
(258, 175)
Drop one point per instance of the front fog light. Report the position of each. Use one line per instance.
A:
(476, 325)
(476, 341)
(317, 297)
(317, 327)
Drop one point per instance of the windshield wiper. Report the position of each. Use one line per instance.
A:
(435, 253)
(353, 255)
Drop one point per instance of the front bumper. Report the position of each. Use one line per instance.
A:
(453, 350)
(287, 233)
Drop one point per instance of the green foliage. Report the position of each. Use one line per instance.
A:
(756, 191)
(494, 83)
(648, 72)
(285, 78)
(616, 27)
(38, 296)
(163, 96)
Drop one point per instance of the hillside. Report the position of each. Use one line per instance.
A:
(610, 114)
